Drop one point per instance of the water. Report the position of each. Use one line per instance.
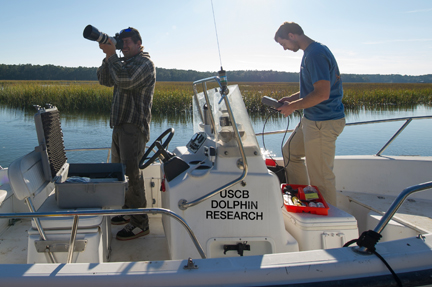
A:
(416, 139)
(18, 134)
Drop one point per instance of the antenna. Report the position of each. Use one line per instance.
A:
(217, 38)
(222, 72)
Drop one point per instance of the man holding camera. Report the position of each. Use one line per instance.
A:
(320, 97)
(133, 78)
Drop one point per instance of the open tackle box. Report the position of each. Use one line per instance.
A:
(320, 208)
(311, 229)
(77, 185)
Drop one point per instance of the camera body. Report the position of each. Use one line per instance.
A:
(93, 34)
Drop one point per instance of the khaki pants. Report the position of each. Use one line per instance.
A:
(128, 147)
(309, 155)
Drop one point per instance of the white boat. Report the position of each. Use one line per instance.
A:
(217, 215)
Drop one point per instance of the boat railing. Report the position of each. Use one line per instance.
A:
(96, 149)
(92, 149)
(76, 214)
(407, 121)
(105, 212)
(395, 206)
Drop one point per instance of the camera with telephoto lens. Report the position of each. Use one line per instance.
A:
(93, 34)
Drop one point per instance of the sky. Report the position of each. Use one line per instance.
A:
(366, 37)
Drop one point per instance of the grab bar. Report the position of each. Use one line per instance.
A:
(398, 202)
(135, 211)
(395, 206)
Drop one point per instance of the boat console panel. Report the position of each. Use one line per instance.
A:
(247, 213)
(196, 142)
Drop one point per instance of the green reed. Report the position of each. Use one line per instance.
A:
(67, 96)
(176, 97)
(380, 95)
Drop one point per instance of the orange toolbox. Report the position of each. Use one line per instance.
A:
(302, 196)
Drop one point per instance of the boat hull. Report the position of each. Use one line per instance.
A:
(410, 258)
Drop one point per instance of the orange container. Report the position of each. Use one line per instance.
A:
(301, 196)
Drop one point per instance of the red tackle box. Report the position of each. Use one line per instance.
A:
(301, 196)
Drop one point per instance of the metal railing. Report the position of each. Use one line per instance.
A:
(95, 149)
(395, 206)
(92, 149)
(105, 212)
(407, 120)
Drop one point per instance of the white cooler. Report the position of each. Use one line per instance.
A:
(314, 231)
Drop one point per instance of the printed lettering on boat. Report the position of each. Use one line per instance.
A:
(234, 205)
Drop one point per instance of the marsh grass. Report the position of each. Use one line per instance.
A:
(175, 97)
(381, 95)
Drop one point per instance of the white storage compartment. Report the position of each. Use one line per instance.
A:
(314, 231)
(99, 185)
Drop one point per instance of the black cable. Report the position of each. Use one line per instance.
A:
(282, 144)
(283, 139)
(369, 239)
(396, 278)
(272, 111)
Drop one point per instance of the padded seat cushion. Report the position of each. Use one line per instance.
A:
(50, 205)
(3, 193)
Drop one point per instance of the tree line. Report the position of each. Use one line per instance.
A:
(54, 73)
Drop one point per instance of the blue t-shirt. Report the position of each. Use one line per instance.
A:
(318, 63)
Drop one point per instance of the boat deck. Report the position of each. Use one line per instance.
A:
(13, 244)
(413, 213)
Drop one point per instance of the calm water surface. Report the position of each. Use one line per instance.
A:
(18, 134)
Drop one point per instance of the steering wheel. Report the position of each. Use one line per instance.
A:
(146, 160)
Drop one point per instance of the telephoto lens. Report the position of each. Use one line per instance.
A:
(93, 34)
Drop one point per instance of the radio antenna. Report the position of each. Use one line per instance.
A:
(222, 72)
(217, 38)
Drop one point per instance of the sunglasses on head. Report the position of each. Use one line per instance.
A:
(126, 30)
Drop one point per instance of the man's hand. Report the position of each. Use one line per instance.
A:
(320, 93)
(286, 109)
(108, 49)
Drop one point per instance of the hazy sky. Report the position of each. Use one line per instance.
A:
(366, 37)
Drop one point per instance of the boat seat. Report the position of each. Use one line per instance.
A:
(28, 183)
(3, 193)
(50, 205)
(5, 189)
(5, 200)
